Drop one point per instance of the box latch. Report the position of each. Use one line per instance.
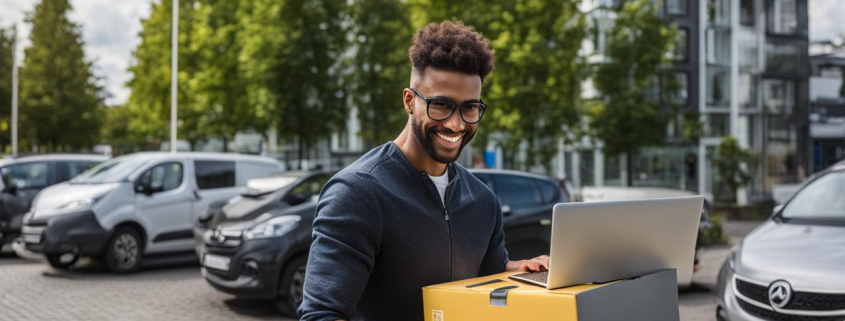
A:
(499, 297)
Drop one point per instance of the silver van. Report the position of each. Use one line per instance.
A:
(136, 205)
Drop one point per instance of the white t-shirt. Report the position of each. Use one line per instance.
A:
(441, 182)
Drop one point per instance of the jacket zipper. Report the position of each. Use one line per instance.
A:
(446, 216)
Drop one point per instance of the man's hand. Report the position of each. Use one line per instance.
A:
(540, 263)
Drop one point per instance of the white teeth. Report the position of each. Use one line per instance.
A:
(451, 139)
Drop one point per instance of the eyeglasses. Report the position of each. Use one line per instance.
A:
(441, 109)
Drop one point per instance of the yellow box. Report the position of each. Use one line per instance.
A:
(650, 297)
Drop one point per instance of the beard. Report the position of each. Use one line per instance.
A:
(426, 141)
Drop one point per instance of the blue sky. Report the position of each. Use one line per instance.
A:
(110, 32)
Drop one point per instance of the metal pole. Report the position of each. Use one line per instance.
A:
(173, 78)
(15, 92)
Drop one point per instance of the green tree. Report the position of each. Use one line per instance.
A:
(626, 118)
(379, 69)
(149, 101)
(291, 56)
(115, 132)
(732, 163)
(59, 94)
(535, 89)
(219, 84)
(6, 39)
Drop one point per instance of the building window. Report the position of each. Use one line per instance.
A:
(746, 12)
(681, 47)
(717, 125)
(675, 88)
(782, 16)
(719, 12)
(787, 58)
(748, 50)
(747, 91)
(778, 95)
(718, 87)
(718, 47)
(676, 7)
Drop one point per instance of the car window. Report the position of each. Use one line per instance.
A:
(308, 188)
(517, 192)
(215, 174)
(486, 179)
(163, 177)
(68, 170)
(550, 191)
(820, 199)
(28, 175)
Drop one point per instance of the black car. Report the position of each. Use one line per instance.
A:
(256, 246)
(527, 202)
(281, 210)
(23, 177)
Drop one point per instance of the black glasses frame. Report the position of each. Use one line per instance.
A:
(452, 104)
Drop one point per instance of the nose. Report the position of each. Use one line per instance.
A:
(455, 123)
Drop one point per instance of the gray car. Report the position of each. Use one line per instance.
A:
(792, 267)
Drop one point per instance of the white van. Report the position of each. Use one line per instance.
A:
(135, 205)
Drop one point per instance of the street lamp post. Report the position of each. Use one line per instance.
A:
(174, 63)
(15, 91)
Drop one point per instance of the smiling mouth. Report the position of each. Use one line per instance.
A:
(451, 139)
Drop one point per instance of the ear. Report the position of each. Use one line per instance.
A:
(408, 100)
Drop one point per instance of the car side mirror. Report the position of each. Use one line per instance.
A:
(142, 189)
(506, 210)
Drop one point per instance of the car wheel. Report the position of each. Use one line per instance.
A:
(124, 252)
(62, 261)
(291, 287)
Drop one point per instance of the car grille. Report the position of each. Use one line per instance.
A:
(775, 316)
(804, 301)
(223, 239)
(753, 291)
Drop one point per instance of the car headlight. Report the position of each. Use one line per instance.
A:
(80, 203)
(273, 227)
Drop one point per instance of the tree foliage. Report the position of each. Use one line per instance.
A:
(59, 94)
(536, 86)
(149, 101)
(626, 119)
(6, 39)
(732, 163)
(377, 67)
(292, 52)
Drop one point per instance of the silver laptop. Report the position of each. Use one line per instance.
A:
(605, 241)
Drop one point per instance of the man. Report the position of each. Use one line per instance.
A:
(405, 216)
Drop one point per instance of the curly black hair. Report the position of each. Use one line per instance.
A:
(452, 46)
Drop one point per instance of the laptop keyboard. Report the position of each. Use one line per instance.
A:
(541, 277)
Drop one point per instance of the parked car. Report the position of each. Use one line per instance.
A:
(527, 202)
(133, 206)
(256, 246)
(619, 193)
(791, 267)
(23, 177)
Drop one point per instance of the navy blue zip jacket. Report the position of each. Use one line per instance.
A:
(381, 234)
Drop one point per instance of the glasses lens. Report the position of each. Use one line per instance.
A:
(439, 109)
(472, 112)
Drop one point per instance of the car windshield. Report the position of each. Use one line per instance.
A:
(112, 171)
(821, 199)
(260, 186)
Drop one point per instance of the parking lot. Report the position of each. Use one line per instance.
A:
(31, 290)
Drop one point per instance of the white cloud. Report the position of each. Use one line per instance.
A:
(826, 19)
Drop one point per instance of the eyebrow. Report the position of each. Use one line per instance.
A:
(452, 100)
